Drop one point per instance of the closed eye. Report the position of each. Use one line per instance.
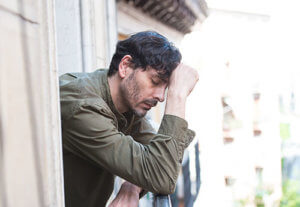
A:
(155, 82)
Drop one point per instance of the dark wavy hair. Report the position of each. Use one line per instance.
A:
(147, 48)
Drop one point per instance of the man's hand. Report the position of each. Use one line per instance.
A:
(128, 196)
(181, 84)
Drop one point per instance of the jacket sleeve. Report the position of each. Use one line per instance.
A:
(142, 131)
(91, 133)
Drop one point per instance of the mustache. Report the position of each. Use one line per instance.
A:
(151, 102)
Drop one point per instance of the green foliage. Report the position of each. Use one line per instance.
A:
(290, 194)
(285, 131)
(259, 197)
(242, 202)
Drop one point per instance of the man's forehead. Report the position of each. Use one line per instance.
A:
(158, 74)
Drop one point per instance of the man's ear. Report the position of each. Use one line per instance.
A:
(124, 66)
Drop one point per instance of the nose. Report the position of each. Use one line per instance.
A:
(159, 94)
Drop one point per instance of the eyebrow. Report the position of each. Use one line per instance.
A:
(160, 76)
(157, 75)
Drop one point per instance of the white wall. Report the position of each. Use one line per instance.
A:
(86, 34)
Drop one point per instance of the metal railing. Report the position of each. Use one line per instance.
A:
(162, 201)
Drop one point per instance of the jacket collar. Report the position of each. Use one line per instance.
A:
(106, 95)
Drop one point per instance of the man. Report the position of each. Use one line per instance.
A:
(104, 130)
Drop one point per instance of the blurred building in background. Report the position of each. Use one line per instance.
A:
(247, 103)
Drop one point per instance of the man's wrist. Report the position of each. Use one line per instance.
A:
(129, 187)
(176, 95)
(175, 104)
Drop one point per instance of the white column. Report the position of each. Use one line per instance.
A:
(30, 146)
(105, 31)
(68, 32)
(86, 34)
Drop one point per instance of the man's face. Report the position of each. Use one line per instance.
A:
(141, 90)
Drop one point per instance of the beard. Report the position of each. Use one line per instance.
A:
(131, 95)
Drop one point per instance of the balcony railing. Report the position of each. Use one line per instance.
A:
(162, 201)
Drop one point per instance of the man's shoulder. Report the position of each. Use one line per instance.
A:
(70, 107)
(78, 90)
(93, 78)
(77, 86)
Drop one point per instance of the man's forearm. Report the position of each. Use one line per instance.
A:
(181, 83)
(130, 188)
(127, 196)
(175, 104)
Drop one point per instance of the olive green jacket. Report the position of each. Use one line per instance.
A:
(99, 143)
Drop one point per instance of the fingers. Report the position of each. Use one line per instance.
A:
(183, 80)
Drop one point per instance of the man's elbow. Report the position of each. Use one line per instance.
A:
(164, 188)
(169, 191)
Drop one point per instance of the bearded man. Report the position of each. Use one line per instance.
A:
(104, 129)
